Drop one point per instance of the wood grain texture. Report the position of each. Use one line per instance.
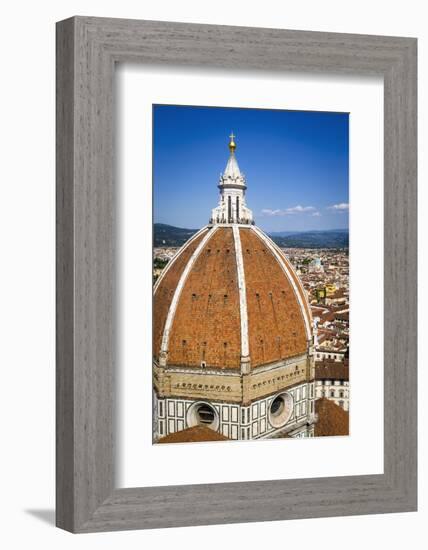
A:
(87, 49)
(64, 277)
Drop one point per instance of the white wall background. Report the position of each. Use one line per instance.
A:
(27, 269)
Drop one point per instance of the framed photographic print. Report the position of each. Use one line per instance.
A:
(236, 274)
(233, 339)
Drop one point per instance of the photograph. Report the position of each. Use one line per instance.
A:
(250, 274)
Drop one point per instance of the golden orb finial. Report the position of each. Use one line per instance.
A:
(232, 144)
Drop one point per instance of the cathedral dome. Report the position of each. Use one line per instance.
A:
(233, 348)
(229, 299)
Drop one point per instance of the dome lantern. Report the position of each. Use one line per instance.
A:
(232, 206)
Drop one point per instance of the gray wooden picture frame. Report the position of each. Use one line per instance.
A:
(87, 50)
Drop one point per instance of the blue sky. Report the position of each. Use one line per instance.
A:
(295, 162)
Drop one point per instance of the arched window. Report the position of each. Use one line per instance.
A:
(202, 414)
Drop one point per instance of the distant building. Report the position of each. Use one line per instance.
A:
(330, 289)
(332, 382)
(321, 295)
(328, 354)
(326, 293)
(316, 266)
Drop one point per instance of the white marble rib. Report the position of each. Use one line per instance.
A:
(242, 293)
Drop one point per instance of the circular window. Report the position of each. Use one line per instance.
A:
(202, 414)
(280, 410)
(205, 414)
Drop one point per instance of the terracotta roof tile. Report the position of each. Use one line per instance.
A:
(332, 419)
(206, 325)
(275, 321)
(193, 435)
(332, 370)
(165, 290)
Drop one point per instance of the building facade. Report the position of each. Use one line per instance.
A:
(332, 381)
(233, 345)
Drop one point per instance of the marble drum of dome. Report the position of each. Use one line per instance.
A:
(233, 334)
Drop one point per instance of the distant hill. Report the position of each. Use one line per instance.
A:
(332, 238)
(283, 233)
(168, 235)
